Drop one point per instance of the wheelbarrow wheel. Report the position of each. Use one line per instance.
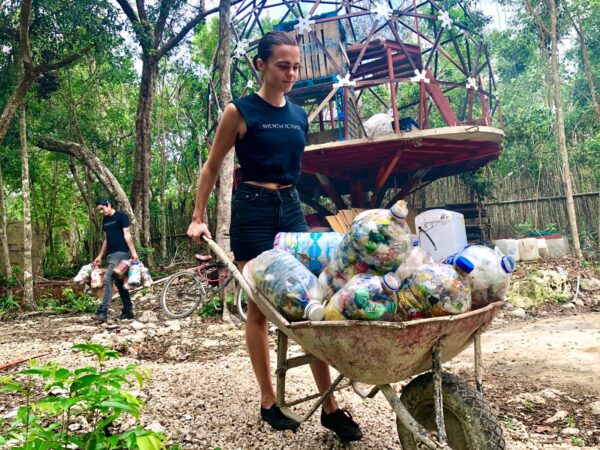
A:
(470, 422)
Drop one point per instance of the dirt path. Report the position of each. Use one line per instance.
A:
(204, 395)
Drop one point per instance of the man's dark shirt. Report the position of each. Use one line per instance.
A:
(113, 227)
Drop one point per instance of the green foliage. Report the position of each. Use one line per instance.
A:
(68, 303)
(93, 396)
(9, 304)
(210, 308)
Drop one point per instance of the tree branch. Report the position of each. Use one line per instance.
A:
(165, 9)
(25, 20)
(129, 12)
(540, 23)
(43, 68)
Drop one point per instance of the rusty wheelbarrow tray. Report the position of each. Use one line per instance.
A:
(375, 353)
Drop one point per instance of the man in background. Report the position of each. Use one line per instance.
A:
(117, 245)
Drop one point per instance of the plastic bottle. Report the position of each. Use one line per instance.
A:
(122, 268)
(377, 242)
(84, 273)
(314, 250)
(287, 284)
(146, 277)
(490, 277)
(417, 257)
(365, 297)
(439, 288)
(135, 275)
(96, 278)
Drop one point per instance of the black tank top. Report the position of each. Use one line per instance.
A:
(272, 147)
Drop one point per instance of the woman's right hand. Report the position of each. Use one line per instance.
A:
(198, 229)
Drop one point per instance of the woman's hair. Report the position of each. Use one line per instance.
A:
(270, 40)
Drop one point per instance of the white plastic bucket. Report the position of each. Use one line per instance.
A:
(528, 249)
(441, 232)
(509, 247)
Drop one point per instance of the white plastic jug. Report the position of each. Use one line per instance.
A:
(441, 232)
(528, 249)
(509, 247)
(542, 247)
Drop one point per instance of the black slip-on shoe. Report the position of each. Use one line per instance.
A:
(274, 417)
(341, 423)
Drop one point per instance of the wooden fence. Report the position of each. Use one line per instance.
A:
(523, 199)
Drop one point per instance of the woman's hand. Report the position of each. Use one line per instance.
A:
(198, 229)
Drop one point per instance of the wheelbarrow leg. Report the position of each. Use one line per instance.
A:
(282, 347)
(478, 365)
(420, 433)
(438, 400)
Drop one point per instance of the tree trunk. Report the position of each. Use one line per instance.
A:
(93, 217)
(28, 299)
(226, 172)
(104, 175)
(562, 140)
(163, 185)
(141, 192)
(3, 237)
(586, 65)
(14, 103)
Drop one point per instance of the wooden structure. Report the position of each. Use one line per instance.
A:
(422, 64)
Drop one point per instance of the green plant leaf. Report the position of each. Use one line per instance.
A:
(149, 442)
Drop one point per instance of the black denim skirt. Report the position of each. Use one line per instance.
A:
(258, 214)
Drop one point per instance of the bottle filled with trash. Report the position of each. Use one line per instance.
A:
(377, 242)
(490, 277)
(135, 274)
(287, 284)
(83, 276)
(314, 250)
(96, 278)
(365, 297)
(122, 268)
(435, 290)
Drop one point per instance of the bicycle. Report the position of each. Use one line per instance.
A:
(184, 291)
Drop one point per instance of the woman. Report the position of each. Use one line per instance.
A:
(268, 133)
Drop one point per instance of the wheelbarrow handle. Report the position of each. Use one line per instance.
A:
(229, 264)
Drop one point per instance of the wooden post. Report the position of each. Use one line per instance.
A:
(393, 89)
(346, 133)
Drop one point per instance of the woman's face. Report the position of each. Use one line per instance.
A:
(280, 71)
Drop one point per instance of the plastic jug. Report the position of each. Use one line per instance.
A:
(542, 247)
(287, 284)
(438, 289)
(135, 274)
(377, 242)
(490, 277)
(509, 247)
(528, 249)
(558, 245)
(122, 268)
(84, 273)
(441, 232)
(365, 297)
(314, 250)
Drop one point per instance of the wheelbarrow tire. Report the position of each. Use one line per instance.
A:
(470, 422)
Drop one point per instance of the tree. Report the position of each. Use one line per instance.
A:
(88, 26)
(3, 236)
(152, 30)
(28, 298)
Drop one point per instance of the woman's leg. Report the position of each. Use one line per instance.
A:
(257, 343)
(322, 376)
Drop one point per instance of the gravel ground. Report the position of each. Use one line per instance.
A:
(204, 396)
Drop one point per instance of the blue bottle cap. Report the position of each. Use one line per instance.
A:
(464, 264)
(508, 264)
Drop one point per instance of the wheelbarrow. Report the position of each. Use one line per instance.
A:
(435, 410)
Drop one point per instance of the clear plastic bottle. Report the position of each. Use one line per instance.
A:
(287, 284)
(96, 278)
(146, 277)
(365, 297)
(377, 242)
(442, 289)
(83, 275)
(417, 257)
(314, 250)
(490, 277)
(135, 275)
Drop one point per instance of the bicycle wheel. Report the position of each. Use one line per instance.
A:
(181, 295)
(242, 303)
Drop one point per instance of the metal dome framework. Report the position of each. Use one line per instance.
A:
(424, 63)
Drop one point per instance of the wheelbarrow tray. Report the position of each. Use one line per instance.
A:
(375, 352)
